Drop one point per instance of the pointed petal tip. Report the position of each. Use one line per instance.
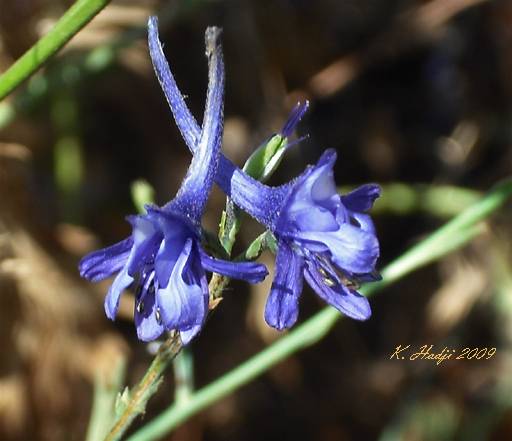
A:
(328, 156)
(110, 310)
(362, 198)
(251, 272)
(294, 118)
(84, 267)
(361, 315)
(353, 305)
(373, 191)
(100, 264)
(346, 300)
(281, 309)
(120, 283)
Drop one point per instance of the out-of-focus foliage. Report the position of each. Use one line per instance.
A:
(412, 92)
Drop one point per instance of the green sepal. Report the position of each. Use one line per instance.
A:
(122, 401)
(264, 241)
(266, 158)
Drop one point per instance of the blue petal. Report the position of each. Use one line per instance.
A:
(364, 221)
(101, 264)
(345, 300)
(362, 198)
(196, 186)
(143, 252)
(314, 218)
(190, 130)
(316, 185)
(175, 232)
(142, 227)
(314, 204)
(165, 260)
(258, 200)
(295, 116)
(323, 187)
(146, 238)
(251, 272)
(148, 326)
(352, 249)
(251, 195)
(184, 302)
(282, 308)
(187, 335)
(121, 282)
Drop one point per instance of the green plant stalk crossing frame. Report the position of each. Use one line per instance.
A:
(142, 193)
(453, 235)
(75, 18)
(137, 399)
(106, 387)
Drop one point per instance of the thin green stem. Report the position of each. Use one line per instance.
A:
(444, 201)
(68, 25)
(86, 64)
(136, 400)
(451, 236)
(183, 366)
(106, 387)
(147, 387)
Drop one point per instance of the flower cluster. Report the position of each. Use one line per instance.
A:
(323, 237)
(163, 256)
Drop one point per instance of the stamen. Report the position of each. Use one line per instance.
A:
(350, 283)
(332, 275)
(140, 307)
(327, 279)
(158, 316)
(329, 282)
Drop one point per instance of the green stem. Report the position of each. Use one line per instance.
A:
(183, 366)
(68, 25)
(92, 62)
(147, 387)
(443, 201)
(106, 387)
(451, 236)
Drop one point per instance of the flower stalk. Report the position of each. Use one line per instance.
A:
(73, 20)
(147, 386)
(453, 235)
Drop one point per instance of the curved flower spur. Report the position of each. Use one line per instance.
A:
(163, 256)
(327, 238)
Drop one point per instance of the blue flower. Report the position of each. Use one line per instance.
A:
(248, 191)
(163, 256)
(322, 236)
(326, 238)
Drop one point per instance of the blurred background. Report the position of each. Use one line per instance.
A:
(415, 95)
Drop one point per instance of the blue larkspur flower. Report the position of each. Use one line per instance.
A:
(324, 237)
(163, 256)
